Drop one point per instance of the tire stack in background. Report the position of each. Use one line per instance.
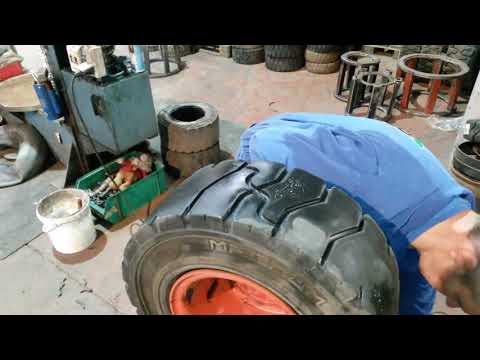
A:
(248, 54)
(323, 59)
(284, 58)
(469, 54)
(189, 136)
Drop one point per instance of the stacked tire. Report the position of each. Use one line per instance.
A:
(284, 58)
(323, 59)
(248, 54)
(190, 136)
(469, 54)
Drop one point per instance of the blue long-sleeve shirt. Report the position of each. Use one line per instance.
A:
(393, 177)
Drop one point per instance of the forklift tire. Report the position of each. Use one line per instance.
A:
(284, 65)
(321, 58)
(323, 68)
(189, 127)
(285, 51)
(188, 163)
(469, 54)
(248, 56)
(322, 49)
(281, 233)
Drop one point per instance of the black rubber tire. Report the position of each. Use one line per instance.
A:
(466, 53)
(311, 246)
(187, 164)
(317, 68)
(465, 162)
(248, 56)
(321, 58)
(189, 136)
(325, 48)
(32, 153)
(470, 54)
(285, 51)
(284, 65)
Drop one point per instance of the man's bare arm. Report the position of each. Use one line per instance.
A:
(449, 255)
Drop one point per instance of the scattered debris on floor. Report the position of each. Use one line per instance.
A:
(85, 288)
(445, 123)
(60, 289)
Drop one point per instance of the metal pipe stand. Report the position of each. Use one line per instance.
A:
(350, 63)
(165, 58)
(367, 91)
(407, 68)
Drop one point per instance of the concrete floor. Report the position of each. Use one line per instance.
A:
(38, 280)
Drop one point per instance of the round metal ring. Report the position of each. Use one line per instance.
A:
(346, 58)
(362, 74)
(382, 108)
(155, 75)
(464, 68)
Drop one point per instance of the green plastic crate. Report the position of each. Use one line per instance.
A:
(123, 203)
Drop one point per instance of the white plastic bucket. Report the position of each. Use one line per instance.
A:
(67, 219)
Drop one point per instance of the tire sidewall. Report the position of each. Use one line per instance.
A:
(174, 253)
(210, 115)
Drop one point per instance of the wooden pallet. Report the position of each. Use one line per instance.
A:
(386, 50)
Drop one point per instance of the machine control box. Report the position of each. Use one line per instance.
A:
(119, 113)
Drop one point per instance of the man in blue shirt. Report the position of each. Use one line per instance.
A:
(425, 215)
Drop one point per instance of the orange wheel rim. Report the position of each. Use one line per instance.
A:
(216, 292)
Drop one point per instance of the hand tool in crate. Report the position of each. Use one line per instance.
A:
(116, 205)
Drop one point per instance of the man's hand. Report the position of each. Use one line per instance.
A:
(449, 252)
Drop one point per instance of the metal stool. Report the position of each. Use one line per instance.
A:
(349, 65)
(407, 63)
(366, 82)
(163, 57)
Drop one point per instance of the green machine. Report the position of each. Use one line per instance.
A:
(118, 113)
(105, 101)
(108, 108)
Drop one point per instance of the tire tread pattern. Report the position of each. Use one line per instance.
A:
(317, 68)
(321, 58)
(322, 49)
(248, 56)
(285, 51)
(285, 212)
(284, 65)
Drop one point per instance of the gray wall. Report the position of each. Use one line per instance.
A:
(473, 107)
(33, 60)
(31, 54)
